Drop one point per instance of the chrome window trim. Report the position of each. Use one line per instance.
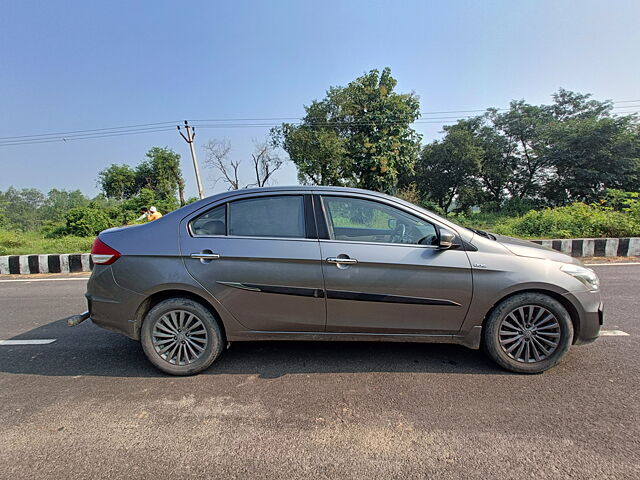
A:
(400, 207)
(388, 202)
(244, 237)
(234, 198)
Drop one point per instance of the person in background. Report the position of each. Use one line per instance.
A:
(144, 214)
(154, 214)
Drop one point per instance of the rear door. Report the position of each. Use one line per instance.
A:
(384, 273)
(259, 256)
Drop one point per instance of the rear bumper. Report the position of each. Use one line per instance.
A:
(110, 306)
(590, 310)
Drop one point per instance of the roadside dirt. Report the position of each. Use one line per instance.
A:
(44, 275)
(610, 259)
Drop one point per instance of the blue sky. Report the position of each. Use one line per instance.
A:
(83, 65)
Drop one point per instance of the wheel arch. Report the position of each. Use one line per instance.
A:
(571, 309)
(159, 296)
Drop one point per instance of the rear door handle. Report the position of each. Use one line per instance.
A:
(345, 261)
(205, 256)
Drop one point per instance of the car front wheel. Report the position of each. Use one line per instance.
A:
(528, 333)
(181, 337)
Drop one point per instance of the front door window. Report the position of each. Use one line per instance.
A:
(355, 219)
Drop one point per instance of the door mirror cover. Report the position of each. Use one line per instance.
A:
(446, 239)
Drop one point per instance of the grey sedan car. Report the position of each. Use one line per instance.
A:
(329, 263)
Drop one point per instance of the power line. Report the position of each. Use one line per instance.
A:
(239, 125)
(264, 122)
(258, 119)
(86, 137)
(174, 122)
(91, 130)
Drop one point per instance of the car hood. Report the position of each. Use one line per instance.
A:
(524, 248)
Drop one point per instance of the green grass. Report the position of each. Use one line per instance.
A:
(17, 243)
(572, 221)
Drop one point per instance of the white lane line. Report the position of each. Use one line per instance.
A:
(613, 333)
(43, 280)
(43, 341)
(611, 264)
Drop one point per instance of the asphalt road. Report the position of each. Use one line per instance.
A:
(89, 405)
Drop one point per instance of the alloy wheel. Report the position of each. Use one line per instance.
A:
(529, 334)
(179, 337)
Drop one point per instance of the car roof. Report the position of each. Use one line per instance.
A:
(287, 188)
(300, 188)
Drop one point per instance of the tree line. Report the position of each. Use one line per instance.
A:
(156, 180)
(525, 156)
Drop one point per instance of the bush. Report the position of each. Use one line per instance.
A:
(9, 241)
(623, 201)
(574, 221)
(28, 243)
(87, 221)
(481, 220)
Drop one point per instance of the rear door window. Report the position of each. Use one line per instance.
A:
(274, 216)
(212, 222)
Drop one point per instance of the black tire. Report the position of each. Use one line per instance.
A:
(499, 335)
(155, 323)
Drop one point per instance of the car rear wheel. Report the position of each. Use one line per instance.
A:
(181, 337)
(528, 333)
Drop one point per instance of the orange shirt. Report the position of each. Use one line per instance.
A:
(154, 216)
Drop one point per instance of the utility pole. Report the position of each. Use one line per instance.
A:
(191, 134)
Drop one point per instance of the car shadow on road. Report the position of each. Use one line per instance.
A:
(87, 350)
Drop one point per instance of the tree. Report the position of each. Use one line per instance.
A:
(358, 135)
(118, 181)
(449, 167)
(522, 129)
(573, 105)
(320, 154)
(22, 208)
(264, 158)
(161, 172)
(497, 164)
(570, 150)
(217, 157)
(265, 162)
(59, 202)
(591, 155)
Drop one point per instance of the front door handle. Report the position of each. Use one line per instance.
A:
(338, 260)
(205, 256)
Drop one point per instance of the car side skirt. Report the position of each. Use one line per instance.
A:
(471, 339)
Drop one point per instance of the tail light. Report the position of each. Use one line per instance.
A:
(103, 254)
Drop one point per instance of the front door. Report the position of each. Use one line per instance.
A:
(384, 273)
(254, 255)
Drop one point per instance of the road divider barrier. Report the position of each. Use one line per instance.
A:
(53, 263)
(81, 262)
(595, 247)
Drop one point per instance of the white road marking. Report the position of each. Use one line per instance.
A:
(613, 333)
(43, 279)
(610, 264)
(44, 341)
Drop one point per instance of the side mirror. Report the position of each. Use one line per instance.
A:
(392, 223)
(446, 239)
